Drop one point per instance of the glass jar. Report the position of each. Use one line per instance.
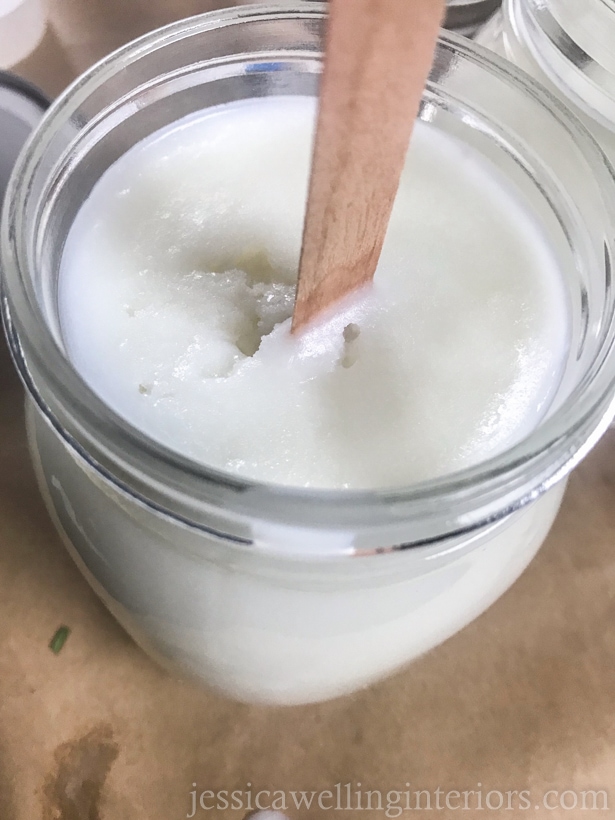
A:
(570, 47)
(266, 593)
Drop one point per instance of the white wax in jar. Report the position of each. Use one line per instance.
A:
(177, 284)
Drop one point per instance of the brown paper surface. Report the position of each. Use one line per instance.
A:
(523, 699)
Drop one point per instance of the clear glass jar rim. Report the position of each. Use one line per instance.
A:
(586, 81)
(460, 501)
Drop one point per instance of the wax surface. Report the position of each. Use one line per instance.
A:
(177, 284)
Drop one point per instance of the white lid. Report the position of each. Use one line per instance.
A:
(21, 107)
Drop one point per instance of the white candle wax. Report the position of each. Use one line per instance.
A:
(177, 282)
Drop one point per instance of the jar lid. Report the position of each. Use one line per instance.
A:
(469, 14)
(21, 107)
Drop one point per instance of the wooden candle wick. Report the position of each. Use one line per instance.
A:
(378, 57)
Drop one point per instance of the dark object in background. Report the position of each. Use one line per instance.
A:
(465, 16)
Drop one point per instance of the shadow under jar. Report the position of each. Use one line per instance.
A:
(279, 594)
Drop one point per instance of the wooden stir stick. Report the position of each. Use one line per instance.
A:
(378, 56)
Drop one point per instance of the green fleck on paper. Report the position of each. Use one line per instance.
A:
(59, 639)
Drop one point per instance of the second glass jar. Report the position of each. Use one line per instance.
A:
(570, 47)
